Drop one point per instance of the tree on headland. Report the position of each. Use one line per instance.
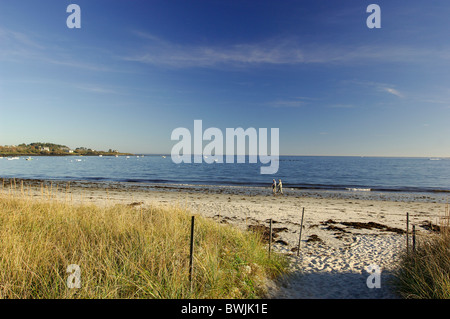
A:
(51, 149)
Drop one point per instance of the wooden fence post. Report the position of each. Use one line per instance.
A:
(270, 236)
(300, 236)
(191, 254)
(407, 232)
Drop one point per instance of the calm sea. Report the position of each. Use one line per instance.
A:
(320, 173)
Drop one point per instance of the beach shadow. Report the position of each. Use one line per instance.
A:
(333, 285)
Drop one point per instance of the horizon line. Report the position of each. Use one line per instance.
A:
(300, 155)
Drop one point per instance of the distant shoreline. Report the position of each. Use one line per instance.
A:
(51, 149)
(60, 155)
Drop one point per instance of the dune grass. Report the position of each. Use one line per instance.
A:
(125, 252)
(425, 273)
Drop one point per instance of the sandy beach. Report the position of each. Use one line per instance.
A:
(341, 235)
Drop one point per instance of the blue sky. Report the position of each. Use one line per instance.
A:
(136, 70)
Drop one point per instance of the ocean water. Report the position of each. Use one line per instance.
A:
(318, 173)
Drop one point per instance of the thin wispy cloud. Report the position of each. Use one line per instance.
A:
(75, 64)
(95, 89)
(342, 106)
(275, 51)
(436, 101)
(13, 38)
(393, 91)
(19, 47)
(375, 87)
(161, 52)
(286, 104)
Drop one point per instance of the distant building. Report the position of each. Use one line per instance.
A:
(45, 149)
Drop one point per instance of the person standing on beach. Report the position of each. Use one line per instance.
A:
(274, 186)
(280, 187)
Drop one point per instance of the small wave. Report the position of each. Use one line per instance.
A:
(441, 191)
(359, 189)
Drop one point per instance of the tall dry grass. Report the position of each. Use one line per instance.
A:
(124, 252)
(425, 273)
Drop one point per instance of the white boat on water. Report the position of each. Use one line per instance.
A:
(435, 159)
